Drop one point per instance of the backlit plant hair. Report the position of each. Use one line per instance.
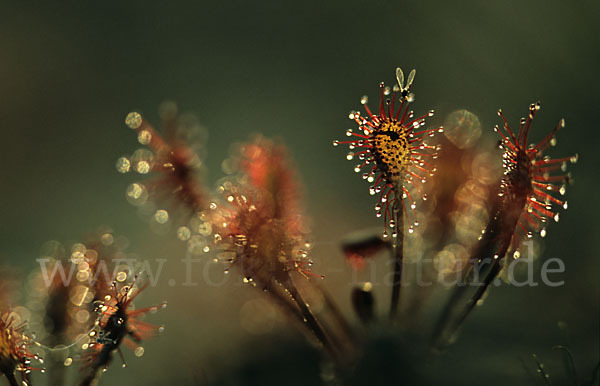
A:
(526, 203)
(260, 233)
(391, 147)
(174, 160)
(117, 323)
(15, 356)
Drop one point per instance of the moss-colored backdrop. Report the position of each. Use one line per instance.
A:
(70, 71)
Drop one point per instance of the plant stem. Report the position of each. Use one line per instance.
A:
(484, 249)
(311, 321)
(439, 336)
(284, 303)
(299, 312)
(447, 325)
(337, 314)
(11, 379)
(570, 363)
(495, 269)
(398, 258)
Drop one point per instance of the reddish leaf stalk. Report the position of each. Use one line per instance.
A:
(398, 260)
(524, 202)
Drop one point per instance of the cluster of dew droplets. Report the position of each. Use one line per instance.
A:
(562, 190)
(540, 204)
(234, 240)
(227, 255)
(197, 231)
(25, 366)
(142, 159)
(366, 157)
(97, 335)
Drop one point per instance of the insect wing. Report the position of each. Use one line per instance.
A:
(411, 77)
(400, 77)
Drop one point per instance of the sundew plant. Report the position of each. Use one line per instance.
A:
(253, 224)
(298, 194)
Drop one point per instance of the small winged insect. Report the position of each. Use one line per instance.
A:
(404, 90)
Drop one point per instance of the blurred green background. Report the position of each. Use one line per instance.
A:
(71, 70)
